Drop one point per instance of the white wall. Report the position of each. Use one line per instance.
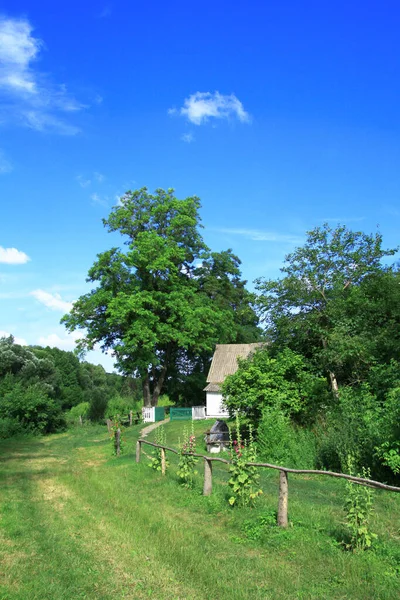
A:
(215, 407)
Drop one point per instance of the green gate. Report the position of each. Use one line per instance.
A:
(180, 414)
(159, 413)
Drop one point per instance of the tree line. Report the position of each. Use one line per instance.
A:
(39, 387)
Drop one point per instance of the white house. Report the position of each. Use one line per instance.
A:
(224, 363)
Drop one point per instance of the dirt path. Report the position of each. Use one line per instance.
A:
(146, 430)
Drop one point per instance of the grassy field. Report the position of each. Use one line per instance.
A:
(77, 522)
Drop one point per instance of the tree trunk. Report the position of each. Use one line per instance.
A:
(146, 391)
(158, 386)
(334, 384)
(332, 376)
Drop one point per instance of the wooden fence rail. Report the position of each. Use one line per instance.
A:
(283, 476)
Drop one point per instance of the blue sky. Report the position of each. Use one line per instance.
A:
(278, 115)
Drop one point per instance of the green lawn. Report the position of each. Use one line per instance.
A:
(76, 522)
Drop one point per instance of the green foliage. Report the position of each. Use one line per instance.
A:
(119, 405)
(159, 438)
(187, 462)
(58, 376)
(9, 427)
(359, 509)
(389, 453)
(32, 408)
(325, 304)
(254, 528)
(163, 300)
(79, 412)
(244, 479)
(281, 382)
(164, 400)
(280, 442)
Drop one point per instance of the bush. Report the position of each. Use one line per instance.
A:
(32, 409)
(352, 428)
(80, 411)
(280, 442)
(98, 403)
(9, 427)
(118, 405)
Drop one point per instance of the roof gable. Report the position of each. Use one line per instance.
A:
(225, 360)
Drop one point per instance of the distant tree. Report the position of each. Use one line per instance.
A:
(283, 382)
(151, 302)
(309, 308)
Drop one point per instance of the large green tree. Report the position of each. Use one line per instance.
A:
(317, 307)
(155, 301)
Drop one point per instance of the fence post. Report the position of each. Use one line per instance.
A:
(283, 499)
(138, 448)
(118, 441)
(162, 461)
(207, 488)
(130, 418)
(109, 425)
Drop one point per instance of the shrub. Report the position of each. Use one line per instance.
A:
(244, 479)
(32, 408)
(280, 442)
(359, 509)
(9, 427)
(78, 412)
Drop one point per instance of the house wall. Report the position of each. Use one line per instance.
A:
(215, 407)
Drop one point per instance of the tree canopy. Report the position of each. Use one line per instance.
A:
(312, 307)
(167, 295)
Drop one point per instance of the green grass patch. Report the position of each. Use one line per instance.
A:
(76, 522)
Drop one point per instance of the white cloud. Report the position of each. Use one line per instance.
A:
(202, 106)
(17, 340)
(260, 236)
(187, 137)
(64, 343)
(12, 256)
(5, 165)
(52, 301)
(32, 100)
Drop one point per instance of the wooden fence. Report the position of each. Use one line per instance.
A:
(283, 476)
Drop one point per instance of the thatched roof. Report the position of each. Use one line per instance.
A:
(225, 362)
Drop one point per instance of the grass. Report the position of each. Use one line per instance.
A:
(77, 522)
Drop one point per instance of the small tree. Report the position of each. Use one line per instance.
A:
(79, 412)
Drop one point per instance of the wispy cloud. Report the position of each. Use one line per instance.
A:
(202, 106)
(52, 301)
(12, 256)
(17, 340)
(83, 182)
(5, 165)
(87, 181)
(187, 137)
(258, 235)
(97, 199)
(32, 99)
(343, 219)
(99, 177)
